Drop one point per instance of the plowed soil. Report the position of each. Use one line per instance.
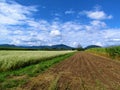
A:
(82, 71)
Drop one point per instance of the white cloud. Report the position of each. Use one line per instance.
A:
(17, 26)
(38, 25)
(71, 26)
(95, 25)
(97, 15)
(69, 12)
(55, 33)
(57, 14)
(98, 23)
(12, 13)
(116, 39)
(99, 44)
(75, 44)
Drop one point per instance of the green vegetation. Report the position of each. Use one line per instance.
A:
(15, 78)
(10, 60)
(113, 52)
(97, 50)
(79, 48)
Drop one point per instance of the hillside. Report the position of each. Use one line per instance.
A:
(53, 47)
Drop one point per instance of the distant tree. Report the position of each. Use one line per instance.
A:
(79, 48)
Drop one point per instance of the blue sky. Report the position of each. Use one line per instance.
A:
(49, 22)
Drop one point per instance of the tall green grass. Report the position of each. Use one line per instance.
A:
(10, 60)
(97, 50)
(113, 51)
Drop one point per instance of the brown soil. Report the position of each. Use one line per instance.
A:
(82, 71)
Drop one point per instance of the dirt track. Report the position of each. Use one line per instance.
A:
(82, 71)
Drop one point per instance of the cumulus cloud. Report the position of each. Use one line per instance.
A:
(38, 24)
(55, 33)
(98, 23)
(71, 26)
(19, 27)
(12, 13)
(97, 15)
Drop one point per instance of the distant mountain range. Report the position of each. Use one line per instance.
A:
(92, 46)
(53, 47)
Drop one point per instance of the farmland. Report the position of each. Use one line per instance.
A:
(82, 71)
(60, 70)
(112, 52)
(39, 61)
(10, 60)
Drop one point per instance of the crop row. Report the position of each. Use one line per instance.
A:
(113, 51)
(10, 60)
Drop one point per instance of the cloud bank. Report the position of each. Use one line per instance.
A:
(19, 26)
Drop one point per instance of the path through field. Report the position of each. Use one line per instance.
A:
(82, 71)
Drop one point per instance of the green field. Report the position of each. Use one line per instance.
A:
(97, 50)
(45, 59)
(10, 60)
(113, 51)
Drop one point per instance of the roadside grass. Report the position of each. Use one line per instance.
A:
(15, 78)
(110, 52)
(97, 50)
(113, 52)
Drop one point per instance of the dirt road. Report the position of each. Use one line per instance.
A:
(82, 71)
